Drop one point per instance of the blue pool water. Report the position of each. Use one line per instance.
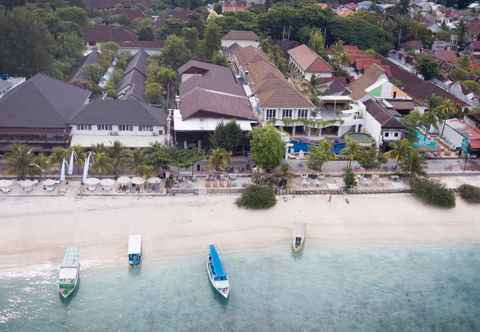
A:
(326, 289)
(298, 146)
(422, 141)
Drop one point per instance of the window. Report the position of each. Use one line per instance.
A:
(84, 127)
(271, 114)
(387, 134)
(104, 127)
(125, 128)
(286, 114)
(302, 114)
(395, 134)
(145, 128)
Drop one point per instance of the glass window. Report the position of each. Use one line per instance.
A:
(271, 114)
(395, 134)
(387, 134)
(302, 114)
(286, 114)
(145, 128)
(84, 127)
(104, 127)
(125, 128)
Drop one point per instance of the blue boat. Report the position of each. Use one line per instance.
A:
(216, 272)
(134, 249)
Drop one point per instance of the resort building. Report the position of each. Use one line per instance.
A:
(305, 64)
(38, 112)
(130, 122)
(240, 38)
(209, 95)
(132, 83)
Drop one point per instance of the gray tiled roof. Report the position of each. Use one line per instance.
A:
(133, 79)
(385, 117)
(41, 102)
(120, 111)
(82, 74)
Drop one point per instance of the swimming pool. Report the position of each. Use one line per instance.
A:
(304, 145)
(424, 142)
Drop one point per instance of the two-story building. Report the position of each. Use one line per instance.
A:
(305, 64)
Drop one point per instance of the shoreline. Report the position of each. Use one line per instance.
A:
(36, 231)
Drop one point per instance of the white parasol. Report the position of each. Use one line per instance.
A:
(138, 180)
(5, 183)
(124, 180)
(154, 180)
(91, 182)
(49, 183)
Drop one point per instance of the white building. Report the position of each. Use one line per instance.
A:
(305, 64)
(241, 38)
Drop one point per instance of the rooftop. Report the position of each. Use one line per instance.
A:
(467, 131)
(240, 35)
(103, 33)
(385, 117)
(309, 61)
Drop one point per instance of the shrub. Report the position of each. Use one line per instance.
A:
(349, 179)
(433, 193)
(257, 197)
(469, 193)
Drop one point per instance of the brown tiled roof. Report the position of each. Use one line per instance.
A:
(104, 33)
(309, 61)
(473, 26)
(100, 4)
(412, 44)
(448, 56)
(267, 82)
(214, 90)
(385, 117)
(370, 76)
(240, 35)
(142, 44)
(420, 90)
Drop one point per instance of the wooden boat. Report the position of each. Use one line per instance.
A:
(69, 272)
(216, 272)
(298, 236)
(134, 249)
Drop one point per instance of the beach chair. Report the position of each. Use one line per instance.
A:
(5, 190)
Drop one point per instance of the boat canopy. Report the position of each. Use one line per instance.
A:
(217, 267)
(71, 258)
(134, 244)
(68, 273)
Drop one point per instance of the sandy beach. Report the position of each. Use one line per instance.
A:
(36, 230)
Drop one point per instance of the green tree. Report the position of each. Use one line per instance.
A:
(413, 163)
(227, 136)
(403, 7)
(461, 32)
(102, 164)
(119, 157)
(21, 160)
(427, 67)
(369, 157)
(212, 39)
(73, 14)
(219, 159)
(399, 150)
(140, 163)
(94, 72)
(175, 53)
(319, 154)
(351, 151)
(153, 92)
(316, 41)
(267, 147)
(191, 38)
(349, 179)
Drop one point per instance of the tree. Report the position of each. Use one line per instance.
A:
(94, 72)
(73, 14)
(351, 151)
(403, 7)
(316, 41)
(349, 179)
(140, 164)
(146, 33)
(25, 44)
(175, 53)
(432, 192)
(369, 157)
(461, 32)
(102, 163)
(399, 149)
(268, 147)
(219, 159)
(191, 38)
(227, 136)
(340, 58)
(319, 154)
(413, 163)
(110, 48)
(257, 197)
(153, 92)
(21, 160)
(79, 153)
(159, 156)
(119, 157)
(212, 39)
(427, 67)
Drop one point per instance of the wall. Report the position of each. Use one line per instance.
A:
(95, 132)
(373, 127)
(453, 138)
(241, 43)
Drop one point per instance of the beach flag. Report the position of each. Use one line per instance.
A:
(70, 165)
(85, 167)
(62, 171)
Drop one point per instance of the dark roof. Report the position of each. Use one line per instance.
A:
(420, 90)
(82, 73)
(99, 4)
(385, 117)
(142, 44)
(337, 86)
(412, 44)
(286, 45)
(133, 79)
(41, 102)
(137, 62)
(120, 111)
(240, 35)
(104, 33)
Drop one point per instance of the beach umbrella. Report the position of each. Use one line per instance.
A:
(5, 183)
(91, 182)
(86, 166)
(26, 183)
(124, 180)
(138, 180)
(107, 182)
(62, 171)
(49, 183)
(154, 180)
(70, 164)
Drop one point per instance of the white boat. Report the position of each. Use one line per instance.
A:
(298, 236)
(216, 272)
(134, 249)
(69, 272)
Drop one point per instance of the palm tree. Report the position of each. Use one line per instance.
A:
(159, 155)
(219, 159)
(119, 157)
(79, 152)
(58, 154)
(140, 164)
(21, 160)
(351, 151)
(399, 150)
(43, 163)
(102, 163)
(319, 154)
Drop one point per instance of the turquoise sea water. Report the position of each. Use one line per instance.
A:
(370, 288)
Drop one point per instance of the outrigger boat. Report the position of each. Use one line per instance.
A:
(69, 272)
(216, 273)
(298, 237)
(134, 249)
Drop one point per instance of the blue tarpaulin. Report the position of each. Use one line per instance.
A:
(218, 271)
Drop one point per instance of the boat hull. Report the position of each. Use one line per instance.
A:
(222, 290)
(65, 293)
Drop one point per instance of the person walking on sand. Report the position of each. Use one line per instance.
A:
(330, 198)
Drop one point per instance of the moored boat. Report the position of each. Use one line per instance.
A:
(216, 272)
(134, 249)
(69, 272)
(298, 236)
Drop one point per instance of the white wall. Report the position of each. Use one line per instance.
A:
(241, 43)
(157, 130)
(453, 137)
(372, 127)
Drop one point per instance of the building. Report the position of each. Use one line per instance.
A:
(101, 33)
(151, 47)
(461, 136)
(241, 38)
(382, 122)
(82, 77)
(132, 83)
(305, 64)
(209, 95)
(38, 113)
(8, 83)
(128, 121)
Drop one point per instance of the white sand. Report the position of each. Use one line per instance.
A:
(36, 230)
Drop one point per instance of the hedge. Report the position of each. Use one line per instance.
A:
(257, 197)
(469, 193)
(433, 193)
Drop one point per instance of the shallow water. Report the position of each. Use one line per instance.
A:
(326, 289)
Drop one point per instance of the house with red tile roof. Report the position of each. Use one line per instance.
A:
(305, 64)
(102, 33)
(242, 38)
